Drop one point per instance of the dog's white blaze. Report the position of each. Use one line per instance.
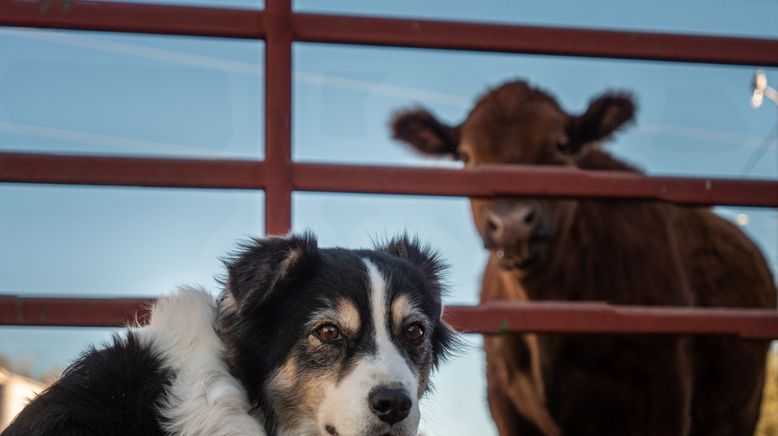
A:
(396, 367)
(345, 405)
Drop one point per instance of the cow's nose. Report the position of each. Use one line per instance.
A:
(391, 405)
(494, 228)
(508, 227)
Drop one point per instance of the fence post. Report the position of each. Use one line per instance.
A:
(278, 116)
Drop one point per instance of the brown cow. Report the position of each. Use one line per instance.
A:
(643, 253)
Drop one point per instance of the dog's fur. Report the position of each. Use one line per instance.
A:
(263, 359)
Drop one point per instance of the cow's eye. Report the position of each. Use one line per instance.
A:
(328, 333)
(413, 332)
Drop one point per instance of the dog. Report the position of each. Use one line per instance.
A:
(303, 341)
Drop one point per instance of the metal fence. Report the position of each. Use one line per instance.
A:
(279, 26)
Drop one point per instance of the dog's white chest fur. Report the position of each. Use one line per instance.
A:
(204, 399)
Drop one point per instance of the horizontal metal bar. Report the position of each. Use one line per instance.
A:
(564, 317)
(72, 312)
(541, 181)
(242, 23)
(490, 318)
(484, 181)
(134, 18)
(535, 40)
(131, 171)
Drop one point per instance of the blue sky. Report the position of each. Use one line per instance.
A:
(86, 92)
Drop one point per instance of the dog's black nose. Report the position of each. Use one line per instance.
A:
(389, 404)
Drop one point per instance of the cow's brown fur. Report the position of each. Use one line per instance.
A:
(642, 253)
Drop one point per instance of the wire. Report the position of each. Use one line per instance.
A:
(759, 153)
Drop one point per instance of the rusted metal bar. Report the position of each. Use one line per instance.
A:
(241, 23)
(485, 181)
(559, 317)
(72, 312)
(278, 116)
(490, 318)
(534, 39)
(134, 18)
(504, 180)
(131, 171)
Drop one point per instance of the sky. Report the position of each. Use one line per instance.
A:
(117, 94)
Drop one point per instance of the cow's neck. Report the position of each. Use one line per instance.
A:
(614, 252)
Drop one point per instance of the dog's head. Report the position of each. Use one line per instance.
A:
(334, 341)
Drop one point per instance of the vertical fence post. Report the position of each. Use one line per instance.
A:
(278, 116)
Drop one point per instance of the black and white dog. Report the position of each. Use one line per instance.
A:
(304, 341)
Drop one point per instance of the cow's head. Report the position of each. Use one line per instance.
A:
(518, 124)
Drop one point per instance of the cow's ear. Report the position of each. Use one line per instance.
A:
(261, 268)
(605, 115)
(424, 133)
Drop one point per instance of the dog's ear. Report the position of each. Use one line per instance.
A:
(419, 255)
(262, 267)
(426, 260)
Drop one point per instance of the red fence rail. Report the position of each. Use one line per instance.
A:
(279, 26)
(136, 18)
(534, 40)
(340, 29)
(489, 318)
(483, 181)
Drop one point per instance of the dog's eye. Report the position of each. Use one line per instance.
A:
(328, 333)
(413, 332)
